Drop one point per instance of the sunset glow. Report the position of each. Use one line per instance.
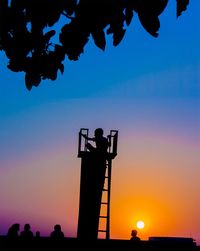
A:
(149, 90)
(140, 224)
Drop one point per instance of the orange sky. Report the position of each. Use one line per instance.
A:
(146, 88)
(155, 179)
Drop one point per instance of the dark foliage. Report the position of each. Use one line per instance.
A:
(27, 38)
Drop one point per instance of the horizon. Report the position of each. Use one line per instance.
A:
(148, 89)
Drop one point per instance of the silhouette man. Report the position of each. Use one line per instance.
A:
(57, 233)
(27, 233)
(37, 234)
(134, 236)
(102, 143)
(13, 231)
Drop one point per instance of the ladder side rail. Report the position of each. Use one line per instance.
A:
(110, 140)
(105, 202)
(79, 143)
(110, 143)
(114, 134)
(86, 141)
(108, 200)
(83, 131)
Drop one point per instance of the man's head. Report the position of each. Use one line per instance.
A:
(57, 227)
(27, 227)
(134, 233)
(98, 132)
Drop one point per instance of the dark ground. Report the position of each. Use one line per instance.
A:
(73, 244)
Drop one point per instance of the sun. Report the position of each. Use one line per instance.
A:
(140, 224)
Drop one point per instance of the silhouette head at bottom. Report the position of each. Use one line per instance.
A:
(134, 236)
(57, 233)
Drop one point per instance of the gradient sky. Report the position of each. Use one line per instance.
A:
(148, 89)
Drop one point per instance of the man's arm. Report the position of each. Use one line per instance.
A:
(109, 140)
(87, 138)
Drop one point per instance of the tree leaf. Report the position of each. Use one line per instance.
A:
(150, 23)
(128, 15)
(61, 68)
(99, 38)
(181, 6)
(32, 79)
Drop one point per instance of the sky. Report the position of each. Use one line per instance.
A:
(148, 89)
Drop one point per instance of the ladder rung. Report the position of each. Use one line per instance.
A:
(103, 216)
(102, 231)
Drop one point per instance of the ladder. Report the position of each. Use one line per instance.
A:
(102, 220)
(105, 202)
